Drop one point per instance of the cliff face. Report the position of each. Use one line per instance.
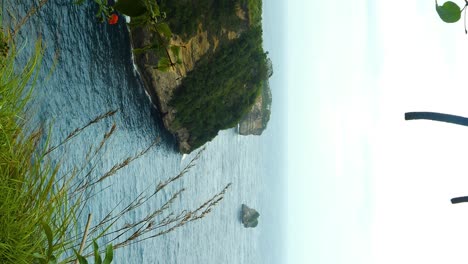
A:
(161, 85)
(218, 73)
(255, 121)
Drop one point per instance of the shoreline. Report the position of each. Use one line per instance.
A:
(151, 96)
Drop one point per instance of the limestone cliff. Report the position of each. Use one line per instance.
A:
(210, 75)
(255, 121)
(161, 85)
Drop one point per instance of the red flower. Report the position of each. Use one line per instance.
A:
(113, 19)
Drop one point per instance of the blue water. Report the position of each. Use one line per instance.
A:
(87, 71)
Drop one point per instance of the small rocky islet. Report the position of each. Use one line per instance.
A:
(249, 216)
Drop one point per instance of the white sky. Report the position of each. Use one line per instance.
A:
(365, 186)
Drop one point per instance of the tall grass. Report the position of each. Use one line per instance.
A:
(28, 196)
(41, 208)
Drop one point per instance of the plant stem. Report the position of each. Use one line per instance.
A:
(453, 119)
(83, 241)
(459, 200)
(30, 13)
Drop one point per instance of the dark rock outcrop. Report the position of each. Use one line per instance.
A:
(249, 216)
(255, 121)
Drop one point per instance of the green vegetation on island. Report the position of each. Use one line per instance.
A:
(213, 53)
(256, 120)
(184, 16)
(255, 11)
(222, 88)
(224, 85)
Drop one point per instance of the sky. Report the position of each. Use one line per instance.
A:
(272, 243)
(364, 185)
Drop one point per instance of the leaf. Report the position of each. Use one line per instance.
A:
(139, 20)
(176, 52)
(50, 238)
(131, 8)
(109, 255)
(100, 11)
(42, 258)
(79, 2)
(164, 29)
(80, 258)
(153, 7)
(53, 260)
(97, 257)
(449, 12)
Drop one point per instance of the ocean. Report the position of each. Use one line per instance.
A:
(86, 71)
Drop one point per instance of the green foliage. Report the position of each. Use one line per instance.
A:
(255, 11)
(81, 259)
(164, 30)
(131, 8)
(164, 64)
(176, 52)
(449, 12)
(143, 13)
(222, 88)
(104, 10)
(146, 13)
(22, 238)
(97, 256)
(184, 16)
(3, 44)
(109, 255)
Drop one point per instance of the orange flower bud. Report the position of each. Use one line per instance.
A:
(113, 19)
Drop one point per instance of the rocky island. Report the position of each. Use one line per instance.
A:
(249, 216)
(256, 120)
(221, 76)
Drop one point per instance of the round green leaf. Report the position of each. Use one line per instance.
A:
(449, 12)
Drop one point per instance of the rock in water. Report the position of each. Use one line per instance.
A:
(249, 216)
